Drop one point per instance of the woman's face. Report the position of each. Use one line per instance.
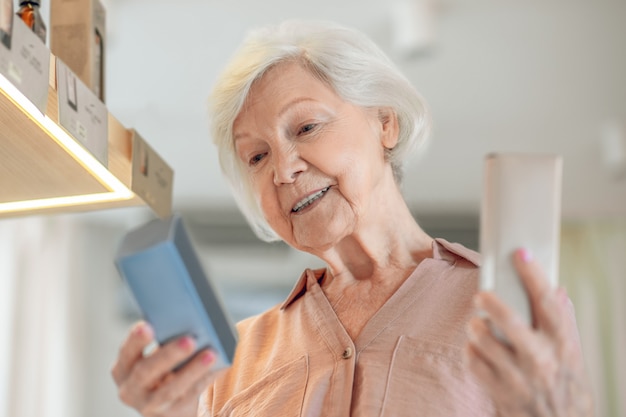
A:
(316, 162)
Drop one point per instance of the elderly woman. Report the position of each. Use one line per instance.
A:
(313, 124)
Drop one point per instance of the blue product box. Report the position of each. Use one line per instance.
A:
(162, 269)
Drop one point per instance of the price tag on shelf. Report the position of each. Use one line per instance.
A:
(81, 113)
(25, 61)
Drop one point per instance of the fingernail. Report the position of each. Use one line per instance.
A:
(185, 343)
(526, 255)
(207, 358)
(139, 330)
(142, 329)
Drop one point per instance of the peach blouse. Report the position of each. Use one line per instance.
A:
(296, 359)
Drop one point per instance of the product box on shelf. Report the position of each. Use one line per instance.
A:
(152, 177)
(77, 37)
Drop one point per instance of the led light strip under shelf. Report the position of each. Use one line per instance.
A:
(118, 191)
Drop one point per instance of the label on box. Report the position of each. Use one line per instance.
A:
(81, 113)
(25, 62)
(152, 177)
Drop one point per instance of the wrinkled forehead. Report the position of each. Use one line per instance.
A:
(272, 79)
(279, 87)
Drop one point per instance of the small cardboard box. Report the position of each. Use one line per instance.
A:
(77, 37)
(152, 177)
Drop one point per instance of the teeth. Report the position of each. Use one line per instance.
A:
(308, 200)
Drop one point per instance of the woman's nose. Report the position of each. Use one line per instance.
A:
(287, 165)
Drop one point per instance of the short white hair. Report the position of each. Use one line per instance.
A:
(346, 60)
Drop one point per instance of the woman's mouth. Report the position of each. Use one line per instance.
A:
(308, 200)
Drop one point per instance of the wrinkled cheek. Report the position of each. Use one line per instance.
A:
(273, 215)
(264, 199)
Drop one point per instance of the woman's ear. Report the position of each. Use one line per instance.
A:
(389, 127)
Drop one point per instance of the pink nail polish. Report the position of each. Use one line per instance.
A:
(139, 330)
(526, 255)
(208, 358)
(185, 343)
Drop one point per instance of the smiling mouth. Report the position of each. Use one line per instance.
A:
(307, 201)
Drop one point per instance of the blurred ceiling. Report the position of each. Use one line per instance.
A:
(498, 75)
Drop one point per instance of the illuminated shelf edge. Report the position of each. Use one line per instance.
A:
(116, 179)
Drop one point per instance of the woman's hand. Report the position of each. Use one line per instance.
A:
(148, 383)
(540, 372)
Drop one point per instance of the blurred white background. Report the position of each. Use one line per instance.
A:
(498, 75)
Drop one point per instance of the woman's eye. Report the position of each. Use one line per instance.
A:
(256, 159)
(306, 128)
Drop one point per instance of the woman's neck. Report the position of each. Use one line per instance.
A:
(368, 266)
(387, 245)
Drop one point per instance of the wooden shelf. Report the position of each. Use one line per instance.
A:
(33, 165)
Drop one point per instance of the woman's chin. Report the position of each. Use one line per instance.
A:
(321, 226)
(319, 239)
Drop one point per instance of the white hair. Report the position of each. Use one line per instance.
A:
(346, 60)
